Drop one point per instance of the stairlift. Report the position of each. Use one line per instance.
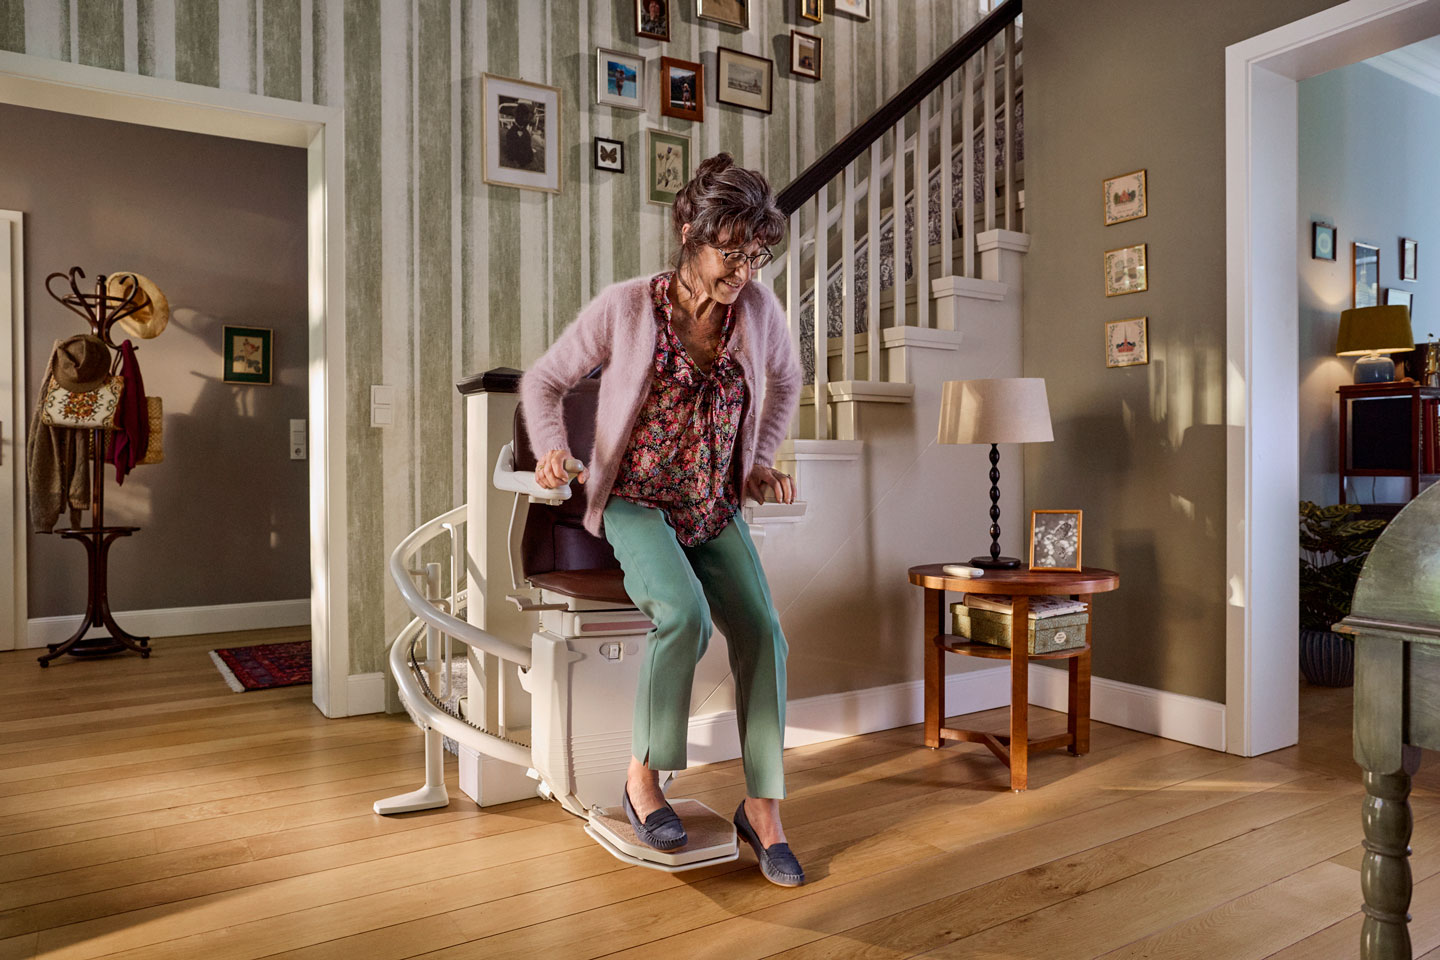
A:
(578, 670)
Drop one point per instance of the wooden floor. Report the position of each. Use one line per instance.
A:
(148, 812)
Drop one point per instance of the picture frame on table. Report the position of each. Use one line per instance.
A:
(652, 19)
(682, 89)
(609, 155)
(1409, 259)
(1127, 342)
(1055, 539)
(667, 165)
(744, 80)
(248, 355)
(859, 9)
(805, 54)
(619, 79)
(1322, 240)
(812, 10)
(1397, 297)
(520, 133)
(1365, 259)
(1125, 197)
(1125, 270)
(732, 13)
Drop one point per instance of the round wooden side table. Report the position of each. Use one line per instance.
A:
(1020, 585)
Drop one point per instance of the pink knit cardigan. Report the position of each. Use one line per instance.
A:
(617, 330)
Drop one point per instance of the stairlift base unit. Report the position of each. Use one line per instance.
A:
(711, 838)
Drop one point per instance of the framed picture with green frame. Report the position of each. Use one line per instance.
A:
(248, 357)
(667, 165)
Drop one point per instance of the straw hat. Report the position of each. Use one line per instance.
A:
(81, 363)
(150, 319)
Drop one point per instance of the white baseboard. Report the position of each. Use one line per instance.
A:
(1174, 716)
(180, 621)
(366, 693)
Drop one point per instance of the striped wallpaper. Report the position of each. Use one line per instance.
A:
(447, 275)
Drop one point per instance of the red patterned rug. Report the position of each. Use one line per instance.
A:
(264, 666)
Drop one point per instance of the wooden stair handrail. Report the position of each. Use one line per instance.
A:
(814, 177)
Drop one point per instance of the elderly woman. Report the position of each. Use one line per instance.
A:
(678, 445)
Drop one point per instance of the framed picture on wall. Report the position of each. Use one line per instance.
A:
(1322, 241)
(1055, 539)
(859, 9)
(812, 10)
(735, 13)
(247, 356)
(805, 54)
(1125, 197)
(1366, 259)
(682, 86)
(667, 165)
(619, 79)
(521, 133)
(652, 19)
(609, 155)
(744, 80)
(1125, 271)
(1409, 258)
(1403, 298)
(1127, 342)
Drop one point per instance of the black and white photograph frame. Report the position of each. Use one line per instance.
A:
(1055, 539)
(744, 80)
(1365, 259)
(1125, 271)
(652, 19)
(1322, 240)
(732, 13)
(1409, 259)
(1125, 197)
(859, 9)
(619, 79)
(1127, 342)
(805, 55)
(520, 133)
(609, 155)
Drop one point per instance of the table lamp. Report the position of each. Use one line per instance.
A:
(1012, 410)
(1368, 332)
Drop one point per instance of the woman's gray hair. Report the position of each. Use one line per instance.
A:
(722, 199)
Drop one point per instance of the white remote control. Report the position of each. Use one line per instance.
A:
(962, 570)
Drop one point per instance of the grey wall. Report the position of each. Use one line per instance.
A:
(219, 225)
(1368, 143)
(446, 275)
(1139, 449)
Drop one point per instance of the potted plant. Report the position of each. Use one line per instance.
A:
(1333, 547)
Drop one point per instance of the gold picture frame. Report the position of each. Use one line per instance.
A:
(1125, 198)
(1127, 342)
(732, 13)
(1055, 539)
(813, 10)
(1125, 270)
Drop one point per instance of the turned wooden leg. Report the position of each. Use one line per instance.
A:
(934, 666)
(1020, 693)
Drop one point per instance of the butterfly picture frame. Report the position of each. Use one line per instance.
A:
(609, 155)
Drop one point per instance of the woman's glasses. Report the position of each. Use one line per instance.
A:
(757, 261)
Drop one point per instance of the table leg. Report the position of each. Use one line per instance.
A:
(1019, 693)
(1079, 701)
(934, 667)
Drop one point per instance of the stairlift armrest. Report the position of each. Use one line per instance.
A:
(506, 477)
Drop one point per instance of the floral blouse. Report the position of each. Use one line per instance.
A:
(679, 457)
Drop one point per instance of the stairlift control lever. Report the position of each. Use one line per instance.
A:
(962, 570)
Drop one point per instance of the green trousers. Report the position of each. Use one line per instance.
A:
(681, 590)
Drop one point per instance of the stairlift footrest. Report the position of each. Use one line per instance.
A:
(712, 838)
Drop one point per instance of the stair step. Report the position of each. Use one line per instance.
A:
(864, 391)
(798, 451)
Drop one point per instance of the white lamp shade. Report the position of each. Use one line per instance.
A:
(1012, 410)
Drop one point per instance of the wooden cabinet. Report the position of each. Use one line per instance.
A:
(1389, 430)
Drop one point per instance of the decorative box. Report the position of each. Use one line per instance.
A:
(1048, 635)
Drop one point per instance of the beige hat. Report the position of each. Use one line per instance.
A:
(81, 363)
(151, 318)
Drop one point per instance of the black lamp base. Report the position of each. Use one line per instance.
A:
(995, 563)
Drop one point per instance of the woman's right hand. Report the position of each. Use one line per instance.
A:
(550, 470)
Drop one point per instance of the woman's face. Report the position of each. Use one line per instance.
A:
(710, 276)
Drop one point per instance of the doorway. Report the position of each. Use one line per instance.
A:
(1262, 307)
(105, 94)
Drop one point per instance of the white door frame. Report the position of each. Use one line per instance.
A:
(12, 415)
(1262, 322)
(93, 92)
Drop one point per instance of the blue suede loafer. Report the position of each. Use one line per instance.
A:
(776, 861)
(661, 830)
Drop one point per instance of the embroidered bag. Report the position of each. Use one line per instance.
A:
(82, 409)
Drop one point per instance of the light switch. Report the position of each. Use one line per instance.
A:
(382, 406)
(298, 441)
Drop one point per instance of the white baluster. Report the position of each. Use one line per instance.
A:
(793, 291)
(897, 216)
(1010, 141)
(967, 166)
(822, 317)
(921, 248)
(947, 190)
(847, 306)
(872, 258)
(988, 68)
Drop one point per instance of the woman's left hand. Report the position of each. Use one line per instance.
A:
(762, 477)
